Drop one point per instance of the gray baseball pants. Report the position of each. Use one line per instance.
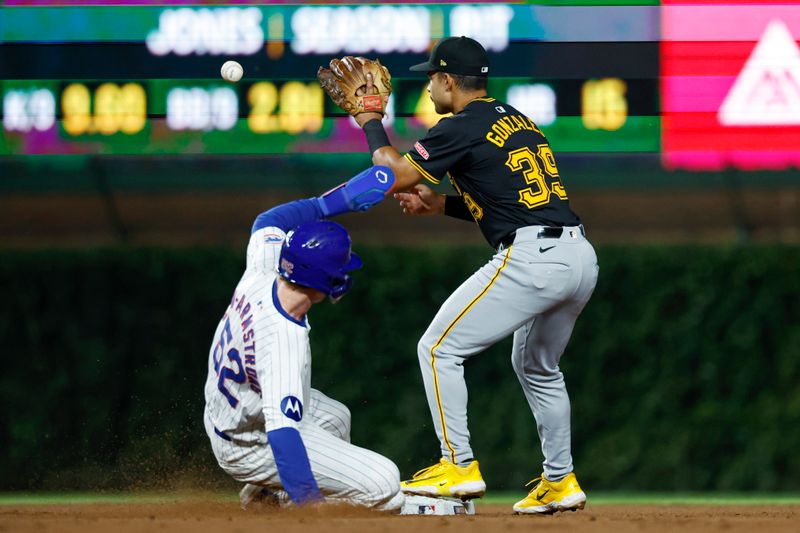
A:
(536, 288)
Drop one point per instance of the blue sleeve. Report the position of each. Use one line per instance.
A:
(289, 215)
(294, 468)
(359, 193)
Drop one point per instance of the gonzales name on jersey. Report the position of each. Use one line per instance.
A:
(501, 165)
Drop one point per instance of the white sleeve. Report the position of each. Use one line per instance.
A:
(283, 376)
(264, 249)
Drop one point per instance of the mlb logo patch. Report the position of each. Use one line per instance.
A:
(288, 266)
(421, 150)
(500, 109)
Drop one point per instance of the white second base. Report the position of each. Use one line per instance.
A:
(426, 505)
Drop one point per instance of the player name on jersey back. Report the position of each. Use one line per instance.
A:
(502, 166)
(260, 358)
(507, 125)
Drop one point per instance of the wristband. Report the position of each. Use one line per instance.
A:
(376, 135)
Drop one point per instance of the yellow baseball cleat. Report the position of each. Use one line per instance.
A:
(447, 479)
(548, 497)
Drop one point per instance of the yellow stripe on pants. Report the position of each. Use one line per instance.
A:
(441, 339)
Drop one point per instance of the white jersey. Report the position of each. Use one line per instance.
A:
(259, 365)
(259, 377)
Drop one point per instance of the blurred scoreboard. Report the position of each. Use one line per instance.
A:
(266, 116)
(128, 77)
(705, 84)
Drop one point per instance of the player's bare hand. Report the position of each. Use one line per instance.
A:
(421, 200)
(369, 88)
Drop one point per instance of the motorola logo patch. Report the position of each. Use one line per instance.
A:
(292, 408)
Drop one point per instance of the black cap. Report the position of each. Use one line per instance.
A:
(457, 55)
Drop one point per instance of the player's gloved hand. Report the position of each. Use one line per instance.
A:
(357, 84)
(360, 193)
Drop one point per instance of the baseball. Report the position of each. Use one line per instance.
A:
(232, 71)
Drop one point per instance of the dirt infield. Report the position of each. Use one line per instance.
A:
(199, 516)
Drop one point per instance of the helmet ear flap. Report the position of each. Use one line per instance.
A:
(340, 286)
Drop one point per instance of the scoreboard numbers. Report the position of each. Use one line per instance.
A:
(604, 104)
(263, 99)
(272, 116)
(202, 109)
(300, 107)
(27, 110)
(76, 103)
(295, 108)
(120, 108)
(116, 108)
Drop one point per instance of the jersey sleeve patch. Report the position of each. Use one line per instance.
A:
(292, 408)
(421, 150)
(265, 248)
(443, 147)
(273, 238)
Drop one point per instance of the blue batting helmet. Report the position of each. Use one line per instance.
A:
(317, 254)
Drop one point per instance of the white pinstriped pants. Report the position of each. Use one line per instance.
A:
(345, 473)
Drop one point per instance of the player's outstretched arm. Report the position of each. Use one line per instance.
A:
(289, 215)
(359, 193)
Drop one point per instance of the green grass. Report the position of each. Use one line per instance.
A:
(667, 498)
(500, 498)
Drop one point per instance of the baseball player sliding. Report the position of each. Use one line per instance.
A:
(268, 428)
(536, 284)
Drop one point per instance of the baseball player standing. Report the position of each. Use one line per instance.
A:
(535, 286)
(267, 426)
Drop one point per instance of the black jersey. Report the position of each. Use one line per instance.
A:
(501, 165)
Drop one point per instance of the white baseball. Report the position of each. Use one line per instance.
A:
(232, 71)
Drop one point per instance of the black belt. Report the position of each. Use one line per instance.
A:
(545, 232)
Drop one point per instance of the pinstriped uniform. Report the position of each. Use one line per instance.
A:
(259, 380)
